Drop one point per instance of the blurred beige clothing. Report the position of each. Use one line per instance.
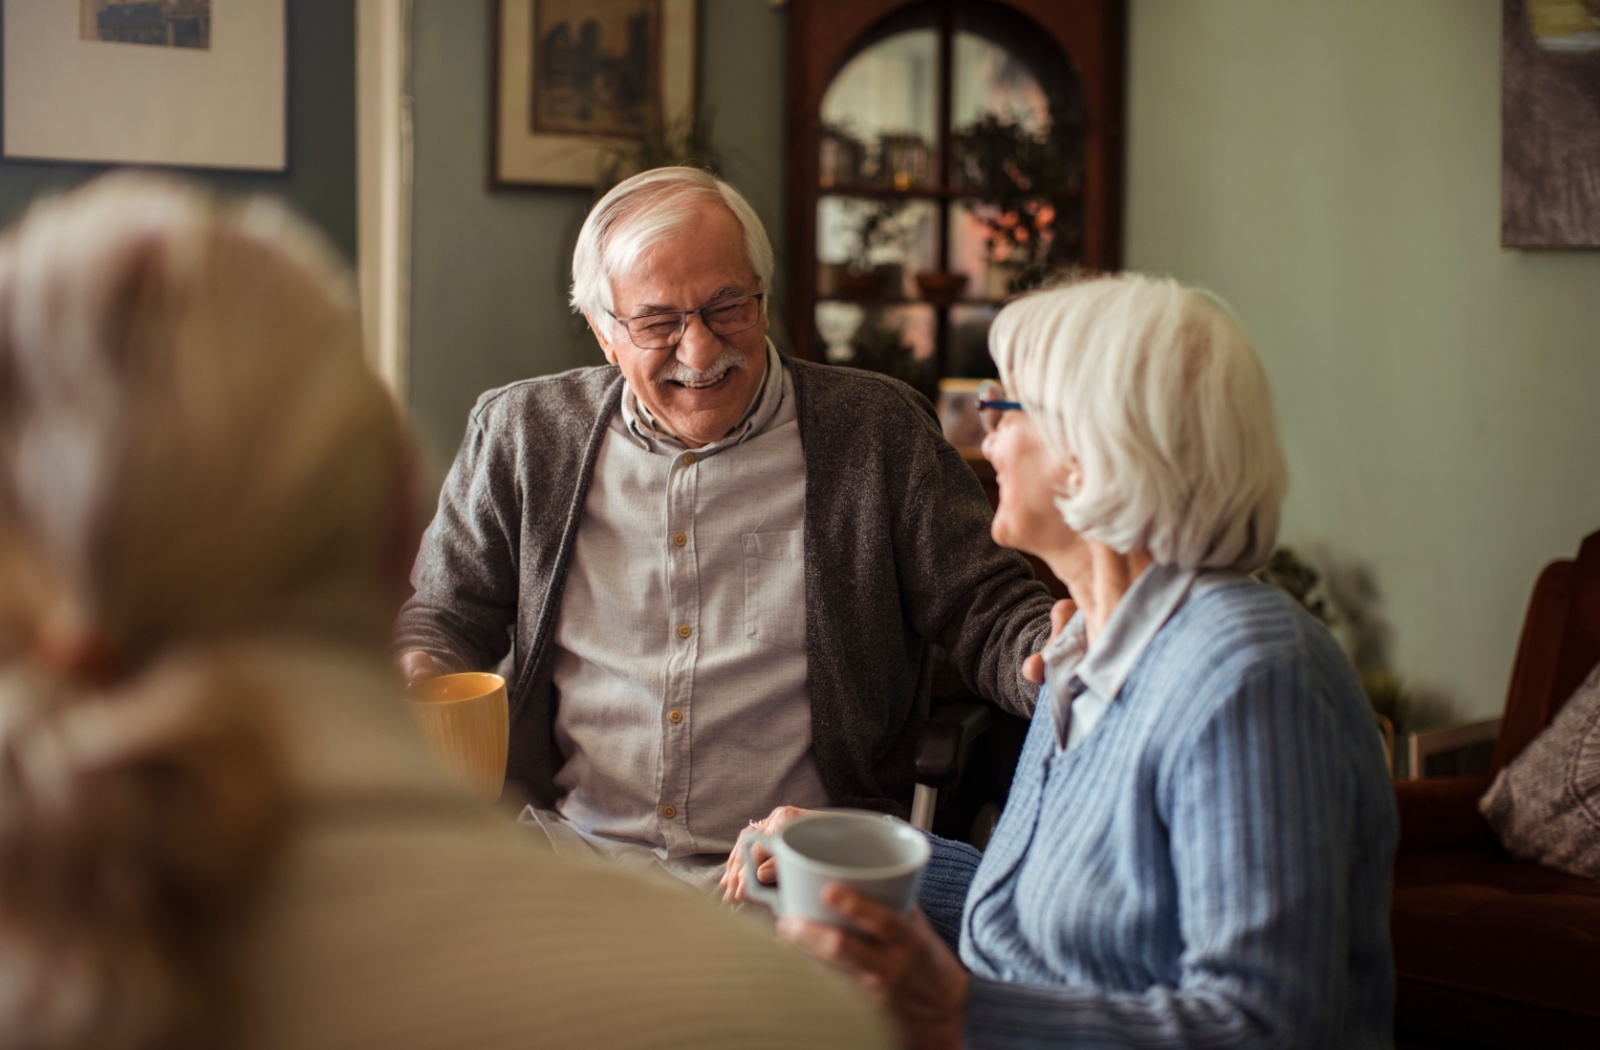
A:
(407, 916)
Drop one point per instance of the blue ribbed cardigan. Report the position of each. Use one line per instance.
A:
(1210, 866)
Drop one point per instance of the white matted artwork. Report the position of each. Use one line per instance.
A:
(575, 78)
(189, 83)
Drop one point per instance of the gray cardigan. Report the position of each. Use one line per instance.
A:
(897, 552)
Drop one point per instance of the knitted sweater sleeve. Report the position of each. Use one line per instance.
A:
(465, 575)
(942, 893)
(978, 600)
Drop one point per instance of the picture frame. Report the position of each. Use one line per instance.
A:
(1550, 125)
(576, 80)
(185, 83)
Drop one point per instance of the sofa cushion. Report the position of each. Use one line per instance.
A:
(1496, 951)
(1545, 805)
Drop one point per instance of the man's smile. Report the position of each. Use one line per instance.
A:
(699, 382)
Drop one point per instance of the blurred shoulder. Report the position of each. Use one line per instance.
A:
(458, 926)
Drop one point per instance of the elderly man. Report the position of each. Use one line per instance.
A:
(716, 566)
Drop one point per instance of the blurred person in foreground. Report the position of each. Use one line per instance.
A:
(1196, 850)
(217, 828)
(715, 567)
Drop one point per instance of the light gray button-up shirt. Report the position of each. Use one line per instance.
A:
(680, 663)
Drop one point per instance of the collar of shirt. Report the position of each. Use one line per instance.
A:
(645, 431)
(1073, 666)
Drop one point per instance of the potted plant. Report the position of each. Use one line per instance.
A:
(663, 144)
(941, 287)
(1023, 180)
(880, 348)
(879, 237)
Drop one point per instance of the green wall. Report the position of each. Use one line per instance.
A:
(321, 180)
(1334, 171)
(490, 267)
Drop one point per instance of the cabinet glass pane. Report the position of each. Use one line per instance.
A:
(896, 340)
(989, 79)
(891, 237)
(1017, 146)
(969, 342)
(879, 115)
(968, 254)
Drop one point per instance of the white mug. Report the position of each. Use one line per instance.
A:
(874, 854)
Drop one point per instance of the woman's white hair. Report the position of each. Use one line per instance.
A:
(638, 214)
(1153, 394)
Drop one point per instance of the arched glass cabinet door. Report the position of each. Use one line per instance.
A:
(941, 166)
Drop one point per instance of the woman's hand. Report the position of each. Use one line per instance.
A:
(900, 961)
(732, 881)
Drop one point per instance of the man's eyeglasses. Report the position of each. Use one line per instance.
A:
(992, 403)
(723, 317)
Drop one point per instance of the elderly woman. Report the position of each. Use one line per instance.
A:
(217, 826)
(1196, 849)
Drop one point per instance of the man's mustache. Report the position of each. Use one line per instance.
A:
(682, 373)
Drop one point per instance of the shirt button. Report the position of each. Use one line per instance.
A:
(675, 716)
(680, 539)
(685, 631)
(669, 811)
(689, 458)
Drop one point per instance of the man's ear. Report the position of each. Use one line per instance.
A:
(605, 344)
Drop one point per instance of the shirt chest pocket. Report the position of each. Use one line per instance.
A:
(775, 589)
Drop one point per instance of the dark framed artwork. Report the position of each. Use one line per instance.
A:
(194, 83)
(1550, 125)
(576, 78)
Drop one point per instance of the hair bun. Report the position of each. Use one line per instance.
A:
(133, 823)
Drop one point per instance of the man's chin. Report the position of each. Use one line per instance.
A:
(703, 414)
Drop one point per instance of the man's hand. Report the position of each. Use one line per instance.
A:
(417, 665)
(732, 881)
(898, 959)
(1060, 613)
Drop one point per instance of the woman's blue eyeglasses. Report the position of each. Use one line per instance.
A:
(991, 403)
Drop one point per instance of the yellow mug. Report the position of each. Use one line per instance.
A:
(467, 719)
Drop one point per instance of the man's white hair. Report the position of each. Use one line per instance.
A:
(638, 214)
(1153, 394)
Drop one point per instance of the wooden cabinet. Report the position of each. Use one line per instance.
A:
(941, 153)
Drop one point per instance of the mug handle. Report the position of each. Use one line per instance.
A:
(753, 888)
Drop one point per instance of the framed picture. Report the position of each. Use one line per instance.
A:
(1550, 124)
(574, 79)
(196, 83)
